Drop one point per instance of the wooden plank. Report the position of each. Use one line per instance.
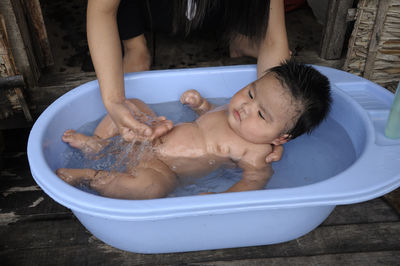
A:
(66, 80)
(6, 59)
(64, 242)
(372, 211)
(374, 47)
(376, 33)
(394, 199)
(9, 70)
(53, 86)
(360, 37)
(20, 40)
(386, 258)
(386, 68)
(11, 82)
(335, 29)
(34, 14)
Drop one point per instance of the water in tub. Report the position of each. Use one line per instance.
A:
(306, 159)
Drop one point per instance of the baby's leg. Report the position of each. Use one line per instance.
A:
(87, 144)
(75, 176)
(193, 98)
(107, 129)
(92, 144)
(153, 180)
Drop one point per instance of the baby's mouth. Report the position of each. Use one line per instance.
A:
(236, 114)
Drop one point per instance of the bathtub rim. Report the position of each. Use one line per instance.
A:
(194, 205)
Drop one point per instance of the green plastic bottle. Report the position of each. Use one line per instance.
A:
(392, 129)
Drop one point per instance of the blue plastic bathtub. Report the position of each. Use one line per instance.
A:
(222, 220)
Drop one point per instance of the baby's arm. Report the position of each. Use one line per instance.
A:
(253, 178)
(256, 171)
(199, 104)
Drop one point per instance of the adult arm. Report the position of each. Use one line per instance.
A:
(105, 50)
(274, 48)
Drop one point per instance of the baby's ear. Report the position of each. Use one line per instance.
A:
(282, 139)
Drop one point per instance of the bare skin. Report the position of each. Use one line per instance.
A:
(105, 50)
(235, 135)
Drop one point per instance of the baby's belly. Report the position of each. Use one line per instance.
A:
(185, 151)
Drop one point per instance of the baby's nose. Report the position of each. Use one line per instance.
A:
(247, 109)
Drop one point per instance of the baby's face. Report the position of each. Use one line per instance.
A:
(262, 111)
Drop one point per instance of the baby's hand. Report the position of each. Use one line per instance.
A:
(192, 98)
(275, 155)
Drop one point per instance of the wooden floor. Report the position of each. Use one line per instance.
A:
(35, 230)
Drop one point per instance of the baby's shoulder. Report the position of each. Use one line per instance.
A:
(259, 149)
(255, 155)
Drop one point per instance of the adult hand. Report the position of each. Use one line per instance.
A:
(275, 155)
(129, 128)
(130, 122)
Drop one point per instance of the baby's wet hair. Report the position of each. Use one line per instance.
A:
(308, 87)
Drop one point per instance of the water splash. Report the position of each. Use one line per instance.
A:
(125, 154)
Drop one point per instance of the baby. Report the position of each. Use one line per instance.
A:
(289, 100)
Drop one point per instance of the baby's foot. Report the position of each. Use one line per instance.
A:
(87, 144)
(75, 139)
(191, 98)
(75, 176)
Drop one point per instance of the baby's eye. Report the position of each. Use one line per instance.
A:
(261, 115)
(250, 95)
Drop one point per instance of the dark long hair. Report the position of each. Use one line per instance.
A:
(247, 17)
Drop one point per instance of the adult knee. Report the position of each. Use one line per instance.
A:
(136, 54)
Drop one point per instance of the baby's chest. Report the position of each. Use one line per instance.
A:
(185, 140)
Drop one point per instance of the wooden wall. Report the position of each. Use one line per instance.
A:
(374, 47)
(24, 51)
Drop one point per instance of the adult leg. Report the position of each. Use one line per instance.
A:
(131, 18)
(242, 45)
(136, 54)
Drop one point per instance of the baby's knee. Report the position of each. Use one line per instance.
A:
(101, 180)
(159, 186)
(155, 191)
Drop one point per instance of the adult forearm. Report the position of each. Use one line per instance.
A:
(105, 49)
(274, 48)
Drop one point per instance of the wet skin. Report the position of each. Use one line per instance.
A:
(238, 134)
